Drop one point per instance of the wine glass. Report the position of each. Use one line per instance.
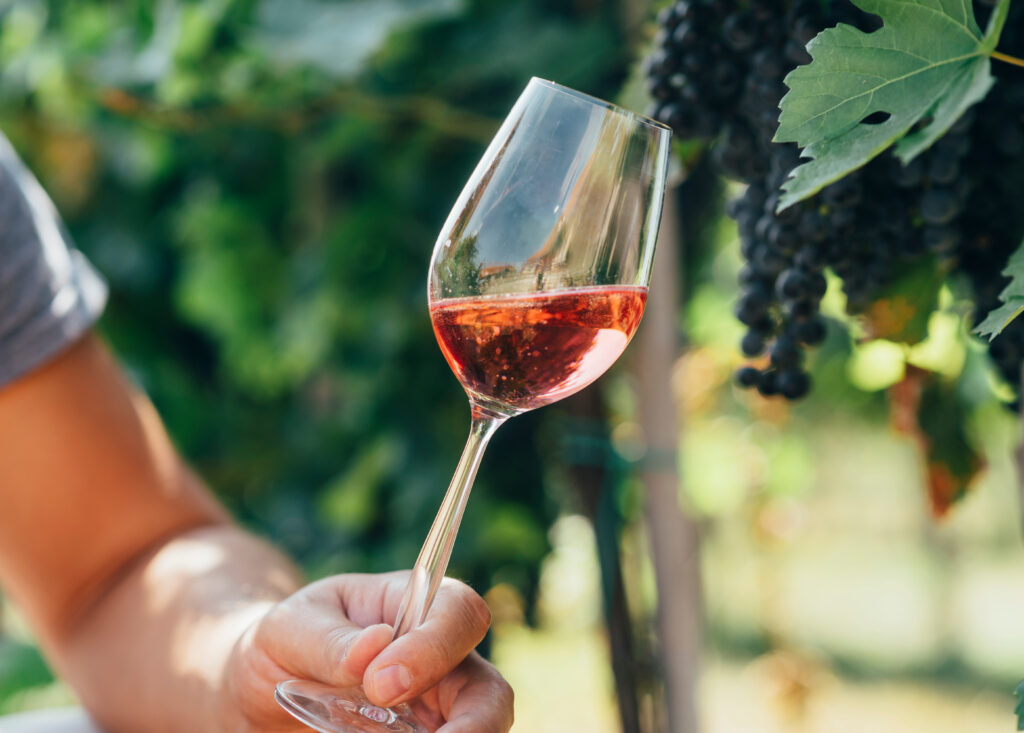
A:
(537, 282)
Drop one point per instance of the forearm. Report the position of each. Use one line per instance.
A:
(150, 655)
(133, 576)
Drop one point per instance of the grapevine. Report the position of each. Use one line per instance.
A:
(717, 74)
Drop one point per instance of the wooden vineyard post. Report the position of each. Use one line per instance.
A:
(593, 476)
(674, 541)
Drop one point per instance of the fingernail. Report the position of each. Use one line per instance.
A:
(392, 682)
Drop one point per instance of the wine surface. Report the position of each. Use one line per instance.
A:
(525, 351)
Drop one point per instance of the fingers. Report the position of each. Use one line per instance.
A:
(476, 699)
(456, 623)
(318, 634)
(310, 636)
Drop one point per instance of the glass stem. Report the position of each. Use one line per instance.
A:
(430, 566)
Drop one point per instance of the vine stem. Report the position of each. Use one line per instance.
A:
(453, 121)
(1006, 58)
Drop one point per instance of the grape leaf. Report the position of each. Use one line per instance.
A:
(928, 63)
(1012, 298)
(933, 413)
(901, 311)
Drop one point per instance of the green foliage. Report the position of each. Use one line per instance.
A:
(1019, 692)
(21, 667)
(1012, 298)
(336, 38)
(261, 182)
(935, 413)
(923, 69)
(902, 310)
(461, 271)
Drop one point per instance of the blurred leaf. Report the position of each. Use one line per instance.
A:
(199, 23)
(349, 501)
(902, 310)
(930, 410)
(716, 467)
(21, 667)
(1019, 692)
(511, 532)
(876, 365)
(1012, 298)
(790, 466)
(335, 37)
(125, 62)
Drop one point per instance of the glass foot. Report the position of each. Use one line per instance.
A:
(332, 710)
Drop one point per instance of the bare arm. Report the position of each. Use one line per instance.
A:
(112, 546)
(163, 614)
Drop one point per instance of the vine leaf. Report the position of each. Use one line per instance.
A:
(902, 310)
(1012, 298)
(933, 413)
(927, 64)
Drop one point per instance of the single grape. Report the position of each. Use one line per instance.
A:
(944, 168)
(939, 206)
(740, 32)
(767, 385)
(753, 343)
(793, 384)
(786, 352)
(810, 332)
(792, 285)
(748, 377)
(800, 310)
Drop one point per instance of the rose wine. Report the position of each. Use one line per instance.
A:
(524, 351)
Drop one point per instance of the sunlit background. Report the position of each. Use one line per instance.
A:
(261, 182)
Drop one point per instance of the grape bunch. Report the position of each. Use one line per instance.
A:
(717, 74)
(994, 220)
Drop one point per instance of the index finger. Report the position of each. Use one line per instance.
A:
(415, 662)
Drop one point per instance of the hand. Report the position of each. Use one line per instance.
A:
(333, 631)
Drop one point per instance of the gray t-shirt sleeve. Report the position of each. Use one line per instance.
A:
(49, 294)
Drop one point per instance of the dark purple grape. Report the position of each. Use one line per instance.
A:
(739, 31)
(816, 285)
(752, 306)
(939, 206)
(767, 63)
(1010, 140)
(810, 332)
(786, 352)
(793, 384)
(767, 385)
(660, 88)
(810, 258)
(796, 53)
(843, 194)
(686, 35)
(792, 285)
(943, 168)
(748, 377)
(753, 343)
(670, 16)
(909, 175)
(800, 310)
